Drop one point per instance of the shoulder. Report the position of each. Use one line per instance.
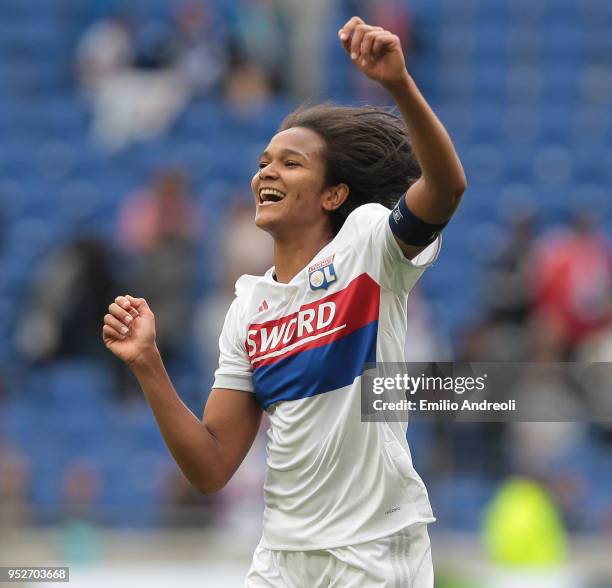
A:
(245, 285)
(365, 218)
(247, 290)
(368, 212)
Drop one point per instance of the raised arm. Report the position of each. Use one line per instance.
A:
(208, 451)
(435, 196)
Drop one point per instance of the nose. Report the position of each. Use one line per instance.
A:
(268, 171)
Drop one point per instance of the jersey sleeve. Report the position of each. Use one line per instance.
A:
(369, 227)
(234, 371)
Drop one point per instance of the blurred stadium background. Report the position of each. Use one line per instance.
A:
(128, 136)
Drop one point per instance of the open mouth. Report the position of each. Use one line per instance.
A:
(269, 196)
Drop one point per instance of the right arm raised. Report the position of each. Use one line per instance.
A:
(208, 451)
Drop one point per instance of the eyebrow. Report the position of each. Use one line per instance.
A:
(285, 151)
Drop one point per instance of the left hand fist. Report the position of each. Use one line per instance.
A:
(375, 51)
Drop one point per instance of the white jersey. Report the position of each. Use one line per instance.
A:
(332, 480)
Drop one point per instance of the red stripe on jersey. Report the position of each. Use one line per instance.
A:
(316, 324)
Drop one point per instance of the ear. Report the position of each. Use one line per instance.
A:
(334, 197)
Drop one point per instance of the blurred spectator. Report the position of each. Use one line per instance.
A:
(139, 78)
(501, 334)
(159, 228)
(69, 295)
(261, 37)
(159, 214)
(307, 45)
(154, 46)
(104, 52)
(136, 89)
(571, 283)
(505, 294)
(525, 539)
(201, 45)
(138, 106)
(79, 541)
(14, 481)
(247, 87)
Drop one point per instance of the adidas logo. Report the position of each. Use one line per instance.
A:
(263, 306)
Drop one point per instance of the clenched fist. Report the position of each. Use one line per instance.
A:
(129, 329)
(374, 50)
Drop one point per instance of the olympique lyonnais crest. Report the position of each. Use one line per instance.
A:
(322, 274)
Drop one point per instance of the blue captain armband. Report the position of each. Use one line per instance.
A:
(410, 229)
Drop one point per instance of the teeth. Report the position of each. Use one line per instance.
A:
(270, 191)
(275, 195)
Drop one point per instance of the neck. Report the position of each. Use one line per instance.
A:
(293, 253)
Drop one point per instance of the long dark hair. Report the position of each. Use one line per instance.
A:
(366, 148)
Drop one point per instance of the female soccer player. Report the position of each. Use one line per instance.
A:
(343, 504)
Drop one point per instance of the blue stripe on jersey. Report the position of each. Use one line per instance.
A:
(316, 371)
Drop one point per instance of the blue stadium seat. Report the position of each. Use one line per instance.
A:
(524, 85)
(519, 156)
(456, 44)
(462, 13)
(520, 123)
(493, 14)
(486, 159)
(13, 197)
(561, 11)
(561, 85)
(458, 120)
(454, 84)
(491, 46)
(591, 123)
(565, 43)
(589, 163)
(489, 83)
(555, 126)
(527, 12)
(81, 385)
(552, 166)
(15, 160)
(525, 45)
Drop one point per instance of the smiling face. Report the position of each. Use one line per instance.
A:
(289, 188)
